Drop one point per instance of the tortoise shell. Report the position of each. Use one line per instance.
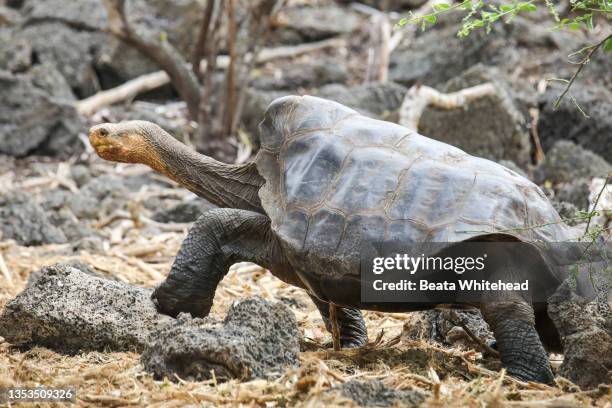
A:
(336, 179)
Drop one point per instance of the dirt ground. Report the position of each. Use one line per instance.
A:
(135, 254)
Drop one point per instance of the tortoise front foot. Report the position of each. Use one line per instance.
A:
(521, 351)
(171, 299)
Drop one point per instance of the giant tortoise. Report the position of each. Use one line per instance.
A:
(327, 180)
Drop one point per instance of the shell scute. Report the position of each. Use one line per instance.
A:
(367, 180)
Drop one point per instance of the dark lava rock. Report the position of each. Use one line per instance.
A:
(73, 263)
(72, 228)
(256, 339)
(568, 123)
(81, 174)
(378, 100)
(70, 51)
(84, 13)
(374, 393)
(100, 196)
(255, 105)
(26, 222)
(438, 54)
(302, 24)
(389, 5)
(566, 162)
(68, 310)
(69, 35)
(15, 53)
(585, 329)
(567, 211)
(437, 325)
(187, 211)
(118, 62)
(292, 75)
(37, 113)
(575, 193)
(492, 127)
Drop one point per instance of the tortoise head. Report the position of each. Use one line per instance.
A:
(126, 142)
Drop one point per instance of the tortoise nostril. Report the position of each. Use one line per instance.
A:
(103, 132)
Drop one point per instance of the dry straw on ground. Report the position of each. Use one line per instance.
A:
(451, 377)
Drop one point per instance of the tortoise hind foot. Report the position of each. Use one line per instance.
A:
(351, 326)
(521, 351)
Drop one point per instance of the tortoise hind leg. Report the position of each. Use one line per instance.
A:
(351, 327)
(518, 343)
(218, 239)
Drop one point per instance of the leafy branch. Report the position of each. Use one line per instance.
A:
(593, 48)
(479, 14)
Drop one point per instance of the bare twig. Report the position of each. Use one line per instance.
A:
(333, 317)
(456, 319)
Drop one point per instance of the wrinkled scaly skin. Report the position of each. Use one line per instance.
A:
(318, 190)
(217, 240)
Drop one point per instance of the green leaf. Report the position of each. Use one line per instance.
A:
(588, 18)
(574, 25)
(506, 8)
(441, 6)
(607, 46)
(478, 23)
(528, 7)
(430, 18)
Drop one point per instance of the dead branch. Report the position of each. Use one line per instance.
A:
(291, 51)
(160, 51)
(198, 51)
(379, 52)
(420, 97)
(149, 82)
(126, 91)
(231, 69)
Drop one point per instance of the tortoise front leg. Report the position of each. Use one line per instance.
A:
(352, 330)
(217, 240)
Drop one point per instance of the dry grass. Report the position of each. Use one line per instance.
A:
(452, 377)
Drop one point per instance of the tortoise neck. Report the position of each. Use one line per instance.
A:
(224, 185)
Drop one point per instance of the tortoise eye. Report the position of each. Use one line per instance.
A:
(103, 132)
